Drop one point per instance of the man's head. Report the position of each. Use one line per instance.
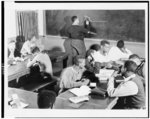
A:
(105, 46)
(120, 44)
(129, 67)
(79, 61)
(95, 47)
(75, 20)
(35, 50)
(135, 58)
(46, 99)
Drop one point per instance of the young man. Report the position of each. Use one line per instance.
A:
(46, 99)
(42, 59)
(101, 55)
(131, 90)
(141, 64)
(119, 52)
(71, 76)
(27, 46)
(74, 45)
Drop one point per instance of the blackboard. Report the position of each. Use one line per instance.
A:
(127, 25)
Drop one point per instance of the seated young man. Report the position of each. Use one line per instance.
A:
(27, 46)
(131, 90)
(42, 59)
(119, 52)
(99, 54)
(72, 76)
(141, 64)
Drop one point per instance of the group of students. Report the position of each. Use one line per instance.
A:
(131, 90)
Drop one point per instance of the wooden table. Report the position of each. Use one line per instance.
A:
(20, 69)
(17, 70)
(27, 97)
(62, 102)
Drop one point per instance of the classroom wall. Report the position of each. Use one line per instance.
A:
(56, 41)
(10, 23)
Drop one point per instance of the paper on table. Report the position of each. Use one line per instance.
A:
(22, 105)
(79, 99)
(105, 74)
(82, 91)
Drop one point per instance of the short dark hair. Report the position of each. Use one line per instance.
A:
(130, 66)
(103, 42)
(120, 44)
(35, 49)
(95, 47)
(134, 56)
(76, 59)
(46, 99)
(73, 18)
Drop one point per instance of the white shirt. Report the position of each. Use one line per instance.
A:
(26, 48)
(98, 57)
(69, 77)
(44, 59)
(126, 88)
(116, 54)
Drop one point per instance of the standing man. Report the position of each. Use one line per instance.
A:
(74, 45)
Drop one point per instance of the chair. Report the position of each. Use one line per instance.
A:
(46, 99)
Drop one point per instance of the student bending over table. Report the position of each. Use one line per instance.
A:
(99, 54)
(119, 52)
(131, 90)
(43, 60)
(72, 76)
(27, 46)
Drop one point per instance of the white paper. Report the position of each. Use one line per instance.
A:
(79, 99)
(82, 91)
(105, 74)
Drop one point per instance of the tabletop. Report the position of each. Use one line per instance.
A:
(62, 102)
(27, 97)
(19, 69)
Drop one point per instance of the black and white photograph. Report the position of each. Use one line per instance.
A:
(76, 59)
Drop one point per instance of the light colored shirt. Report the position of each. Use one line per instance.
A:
(98, 57)
(44, 59)
(126, 88)
(69, 77)
(116, 54)
(26, 48)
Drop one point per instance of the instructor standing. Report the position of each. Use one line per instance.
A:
(74, 45)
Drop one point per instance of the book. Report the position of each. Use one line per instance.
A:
(105, 74)
(82, 91)
(79, 99)
(98, 93)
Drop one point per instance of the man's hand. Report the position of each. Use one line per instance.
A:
(108, 65)
(85, 81)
